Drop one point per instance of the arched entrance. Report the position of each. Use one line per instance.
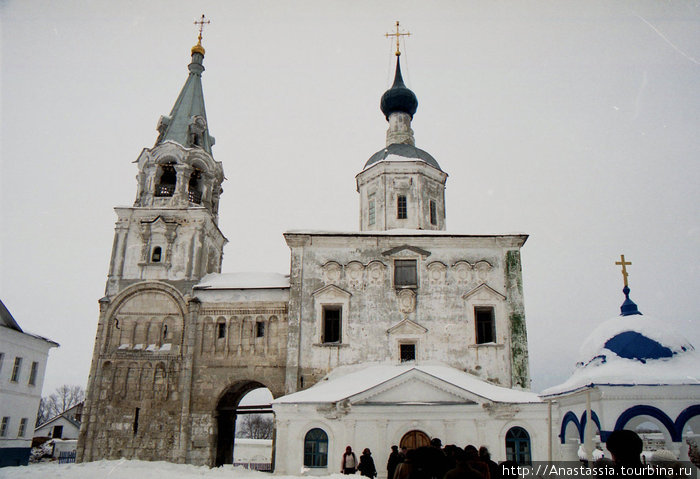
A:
(414, 439)
(228, 409)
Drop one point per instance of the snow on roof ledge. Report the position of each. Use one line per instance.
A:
(347, 381)
(243, 280)
(399, 232)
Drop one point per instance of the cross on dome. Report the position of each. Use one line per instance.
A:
(624, 265)
(398, 35)
(201, 22)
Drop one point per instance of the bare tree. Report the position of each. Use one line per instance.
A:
(255, 426)
(64, 398)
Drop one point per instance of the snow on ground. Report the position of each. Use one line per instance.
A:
(123, 469)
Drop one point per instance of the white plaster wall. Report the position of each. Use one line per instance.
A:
(380, 427)
(252, 450)
(20, 399)
(69, 429)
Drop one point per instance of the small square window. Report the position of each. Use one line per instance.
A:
(485, 325)
(408, 352)
(405, 272)
(157, 253)
(331, 324)
(401, 208)
(259, 329)
(221, 330)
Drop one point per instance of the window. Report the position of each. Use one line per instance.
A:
(518, 446)
(16, 370)
(165, 331)
(433, 212)
(408, 352)
(316, 448)
(331, 324)
(405, 273)
(372, 212)
(136, 420)
(4, 425)
(155, 257)
(401, 211)
(22, 427)
(221, 330)
(57, 432)
(168, 179)
(32, 374)
(259, 329)
(485, 327)
(194, 188)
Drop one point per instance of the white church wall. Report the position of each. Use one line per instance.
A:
(380, 427)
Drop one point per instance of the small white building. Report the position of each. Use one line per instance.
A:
(62, 426)
(632, 370)
(22, 365)
(406, 404)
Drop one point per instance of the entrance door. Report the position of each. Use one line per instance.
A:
(414, 439)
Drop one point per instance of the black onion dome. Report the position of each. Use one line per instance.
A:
(398, 97)
(409, 152)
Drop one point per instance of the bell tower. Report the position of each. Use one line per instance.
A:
(171, 232)
(401, 186)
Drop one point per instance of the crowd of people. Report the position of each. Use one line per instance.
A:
(427, 462)
(453, 462)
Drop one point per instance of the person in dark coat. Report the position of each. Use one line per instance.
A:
(407, 469)
(394, 460)
(349, 462)
(485, 456)
(366, 466)
(462, 470)
(475, 462)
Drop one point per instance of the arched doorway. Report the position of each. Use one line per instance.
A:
(230, 407)
(414, 439)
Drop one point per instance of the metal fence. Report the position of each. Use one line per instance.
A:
(65, 457)
(255, 466)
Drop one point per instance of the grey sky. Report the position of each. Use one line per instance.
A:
(574, 122)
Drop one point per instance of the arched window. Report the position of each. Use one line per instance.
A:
(166, 182)
(155, 257)
(194, 189)
(518, 446)
(316, 448)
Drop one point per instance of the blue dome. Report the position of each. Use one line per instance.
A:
(633, 345)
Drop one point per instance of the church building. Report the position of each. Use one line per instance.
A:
(393, 334)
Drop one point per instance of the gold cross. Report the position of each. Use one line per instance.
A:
(624, 265)
(397, 35)
(201, 24)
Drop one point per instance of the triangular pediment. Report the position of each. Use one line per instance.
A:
(331, 291)
(483, 291)
(415, 387)
(406, 248)
(407, 327)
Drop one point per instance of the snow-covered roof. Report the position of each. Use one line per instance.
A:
(633, 350)
(252, 280)
(399, 232)
(348, 381)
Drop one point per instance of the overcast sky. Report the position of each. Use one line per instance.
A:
(574, 122)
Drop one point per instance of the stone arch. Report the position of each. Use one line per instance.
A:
(160, 382)
(642, 413)
(219, 340)
(272, 331)
(146, 381)
(224, 412)
(208, 330)
(144, 300)
(155, 327)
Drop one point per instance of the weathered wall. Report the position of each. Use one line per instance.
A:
(356, 271)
